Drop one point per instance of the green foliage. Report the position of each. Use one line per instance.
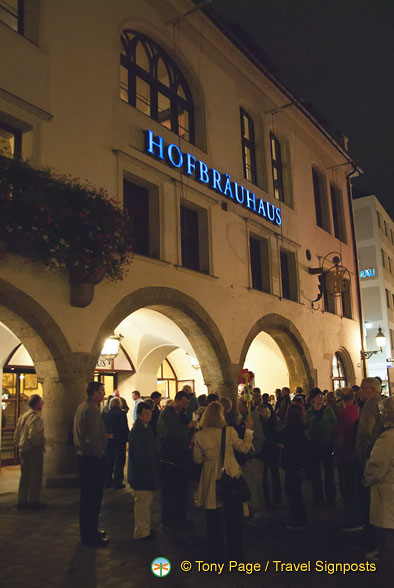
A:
(62, 222)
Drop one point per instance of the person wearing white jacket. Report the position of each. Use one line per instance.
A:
(379, 474)
(30, 440)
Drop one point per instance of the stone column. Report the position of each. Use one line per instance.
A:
(61, 399)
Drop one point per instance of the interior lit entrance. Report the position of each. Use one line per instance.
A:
(265, 359)
(154, 354)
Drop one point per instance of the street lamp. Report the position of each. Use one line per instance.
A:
(380, 342)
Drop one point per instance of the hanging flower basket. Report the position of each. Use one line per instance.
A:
(63, 223)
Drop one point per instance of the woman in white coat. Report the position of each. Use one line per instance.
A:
(207, 450)
(379, 474)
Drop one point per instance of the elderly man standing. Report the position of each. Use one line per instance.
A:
(369, 428)
(371, 424)
(90, 439)
(29, 438)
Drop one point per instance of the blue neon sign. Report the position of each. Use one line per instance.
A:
(212, 178)
(367, 273)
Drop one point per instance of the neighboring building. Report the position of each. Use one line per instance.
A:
(375, 245)
(157, 107)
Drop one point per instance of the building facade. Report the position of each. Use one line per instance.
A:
(375, 245)
(234, 190)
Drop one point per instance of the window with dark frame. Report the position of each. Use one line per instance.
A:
(379, 222)
(321, 206)
(387, 298)
(143, 226)
(347, 303)
(383, 258)
(337, 213)
(277, 174)
(248, 147)
(10, 141)
(391, 340)
(259, 264)
(385, 228)
(12, 13)
(152, 82)
(194, 238)
(288, 272)
(392, 298)
(389, 263)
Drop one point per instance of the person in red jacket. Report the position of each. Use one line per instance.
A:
(349, 470)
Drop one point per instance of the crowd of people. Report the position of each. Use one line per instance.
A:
(309, 436)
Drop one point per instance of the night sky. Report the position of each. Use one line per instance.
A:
(339, 56)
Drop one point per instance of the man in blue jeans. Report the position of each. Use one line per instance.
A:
(90, 439)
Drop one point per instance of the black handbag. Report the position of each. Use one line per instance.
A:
(228, 489)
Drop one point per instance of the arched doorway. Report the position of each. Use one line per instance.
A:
(19, 381)
(275, 337)
(55, 369)
(266, 361)
(162, 324)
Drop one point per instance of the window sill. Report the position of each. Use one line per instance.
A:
(251, 289)
(155, 260)
(328, 231)
(195, 272)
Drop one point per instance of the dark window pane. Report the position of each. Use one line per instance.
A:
(255, 263)
(284, 270)
(317, 195)
(335, 211)
(136, 202)
(190, 238)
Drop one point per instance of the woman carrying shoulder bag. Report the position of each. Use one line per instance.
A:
(208, 451)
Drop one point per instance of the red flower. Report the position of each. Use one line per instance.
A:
(245, 376)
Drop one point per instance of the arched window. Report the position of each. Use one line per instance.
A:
(167, 381)
(339, 379)
(151, 82)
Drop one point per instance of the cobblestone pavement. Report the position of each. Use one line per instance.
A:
(42, 549)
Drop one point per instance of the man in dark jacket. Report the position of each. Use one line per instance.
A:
(174, 431)
(143, 471)
(115, 422)
(156, 397)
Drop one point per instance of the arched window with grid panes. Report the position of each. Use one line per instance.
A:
(339, 379)
(151, 81)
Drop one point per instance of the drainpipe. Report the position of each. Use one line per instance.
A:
(354, 240)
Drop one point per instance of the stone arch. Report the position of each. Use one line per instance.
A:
(348, 365)
(62, 373)
(193, 321)
(291, 344)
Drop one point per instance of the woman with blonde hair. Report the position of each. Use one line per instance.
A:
(379, 474)
(207, 450)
